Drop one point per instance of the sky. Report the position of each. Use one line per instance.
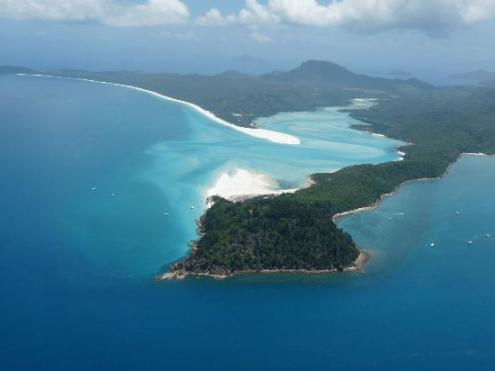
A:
(428, 38)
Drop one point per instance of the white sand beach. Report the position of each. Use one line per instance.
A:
(240, 183)
(273, 136)
(475, 154)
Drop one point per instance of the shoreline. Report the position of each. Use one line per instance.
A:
(276, 137)
(357, 266)
(270, 135)
(377, 203)
(270, 191)
(240, 184)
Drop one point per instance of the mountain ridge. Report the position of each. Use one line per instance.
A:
(240, 98)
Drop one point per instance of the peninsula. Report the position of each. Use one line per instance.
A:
(296, 232)
(269, 234)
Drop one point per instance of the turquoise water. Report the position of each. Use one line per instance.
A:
(76, 263)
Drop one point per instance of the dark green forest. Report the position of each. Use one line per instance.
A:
(269, 233)
(296, 231)
(240, 98)
(439, 124)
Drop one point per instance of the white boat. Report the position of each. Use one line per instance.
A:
(470, 242)
(432, 244)
(192, 207)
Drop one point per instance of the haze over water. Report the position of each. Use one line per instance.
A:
(97, 188)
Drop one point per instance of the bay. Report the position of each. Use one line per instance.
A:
(97, 188)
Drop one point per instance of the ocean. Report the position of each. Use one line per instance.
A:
(101, 186)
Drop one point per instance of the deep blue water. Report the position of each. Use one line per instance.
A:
(76, 264)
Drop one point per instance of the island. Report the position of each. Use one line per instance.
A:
(297, 231)
(268, 234)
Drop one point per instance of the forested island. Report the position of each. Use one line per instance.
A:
(296, 232)
(269, 234)
(439, 123)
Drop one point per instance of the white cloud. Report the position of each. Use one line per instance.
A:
(255, 13)
(430, 16)
(188, 35)
(259, 37)
(151, 13)
(109, 12)
(214, 17)
(479, 10)
(54, 10)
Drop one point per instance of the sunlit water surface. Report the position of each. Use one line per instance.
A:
(98, 185)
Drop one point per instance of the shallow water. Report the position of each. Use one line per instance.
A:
(76, 264)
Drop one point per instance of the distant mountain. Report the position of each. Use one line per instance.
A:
(332, 74)
(71, 71)
(8, 70)
(251, 65)
(318, 71)
(400, 74)
(417, 83)
(490, 83)
(478, 76)
(272, 75)
(241, 98)
(233, 74)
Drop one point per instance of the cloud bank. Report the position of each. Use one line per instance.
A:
(428, 16)
(214, 17)
(108, 12)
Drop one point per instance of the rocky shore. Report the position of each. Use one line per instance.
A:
(178, 273)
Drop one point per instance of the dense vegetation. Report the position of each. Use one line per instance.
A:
(241, 98)
(295, 231)
(269, 233)
(442, 124)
